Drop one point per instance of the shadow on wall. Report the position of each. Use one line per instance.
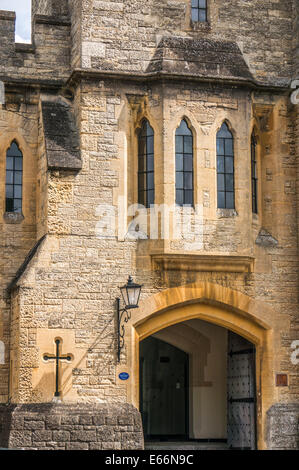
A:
(2, 353)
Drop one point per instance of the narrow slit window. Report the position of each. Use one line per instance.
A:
(146, 166)
(184, 165)
(199, 11)
(225, 169)
(254, 174)
(14, 179)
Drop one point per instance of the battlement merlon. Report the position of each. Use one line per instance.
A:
(47, 58)
(50, 8)
(7, 31)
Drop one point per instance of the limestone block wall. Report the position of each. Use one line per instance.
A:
(81, 427)
(18, 121)
(71, 285)
(123, 35)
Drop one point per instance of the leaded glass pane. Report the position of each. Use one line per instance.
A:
(221, 199)
(220, 182)
(183, 129)
(189, 197)
(9, 163)
(9, 204)
(202, 15)
(230, 203)
(150, 145)
(150, 181)
(194, 14)
(180, 180)
(184, 164)
(188, 144)
(180, 197)
(229, 164)
(142, 146)
(199, 10)
(220, 146)
(225, 168)
(150, 163)
(229, 147)
(254, 175)
(224, 132)
(179, 144)
(179, 159)
(17, 192)
(220, 164)
(146, 164)
(14, 151)
(18, 205)
(9, 191)
(9, 177)
(229, 182)
(188, 180)
(18, 163)
(188, 163)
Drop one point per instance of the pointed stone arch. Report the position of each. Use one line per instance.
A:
(216, 304)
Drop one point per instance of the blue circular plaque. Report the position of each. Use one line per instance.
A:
(123, 376)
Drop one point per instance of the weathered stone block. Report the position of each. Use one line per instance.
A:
(84, 436)
(61, 436)
(41, 426)
(283, 426)
(42, 436)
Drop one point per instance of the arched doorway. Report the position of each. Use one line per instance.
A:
(216, 305)
(198, 383)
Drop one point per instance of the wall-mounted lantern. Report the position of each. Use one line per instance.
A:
(130, 293)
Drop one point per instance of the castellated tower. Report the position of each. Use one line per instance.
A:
(157, 140)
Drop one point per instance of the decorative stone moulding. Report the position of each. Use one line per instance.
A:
(210, 263)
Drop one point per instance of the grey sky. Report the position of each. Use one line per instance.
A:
(23, 12)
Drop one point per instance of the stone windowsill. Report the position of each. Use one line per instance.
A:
(200, 26)
(24, 47)
(226, 213)
(13, 217)
(207, 263)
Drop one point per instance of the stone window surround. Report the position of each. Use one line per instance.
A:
(198, 26)
(13, 218)
(219, 213)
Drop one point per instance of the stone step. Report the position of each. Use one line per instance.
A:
(188, 445)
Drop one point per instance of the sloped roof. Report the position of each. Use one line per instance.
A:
(200, 57)
(61, 135)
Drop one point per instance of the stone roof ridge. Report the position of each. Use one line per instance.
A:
(206, 58)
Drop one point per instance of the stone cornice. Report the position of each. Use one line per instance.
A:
(79, 74)
(199, 262)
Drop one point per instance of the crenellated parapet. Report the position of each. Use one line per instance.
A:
(47, 58)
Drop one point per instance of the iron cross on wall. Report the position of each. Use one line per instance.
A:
(57, 358)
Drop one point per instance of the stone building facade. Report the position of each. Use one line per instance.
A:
(75, 101)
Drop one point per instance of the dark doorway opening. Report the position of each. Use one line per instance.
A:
(164, 390)
(204, 394)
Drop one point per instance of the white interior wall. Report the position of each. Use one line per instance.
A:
(206, 345)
